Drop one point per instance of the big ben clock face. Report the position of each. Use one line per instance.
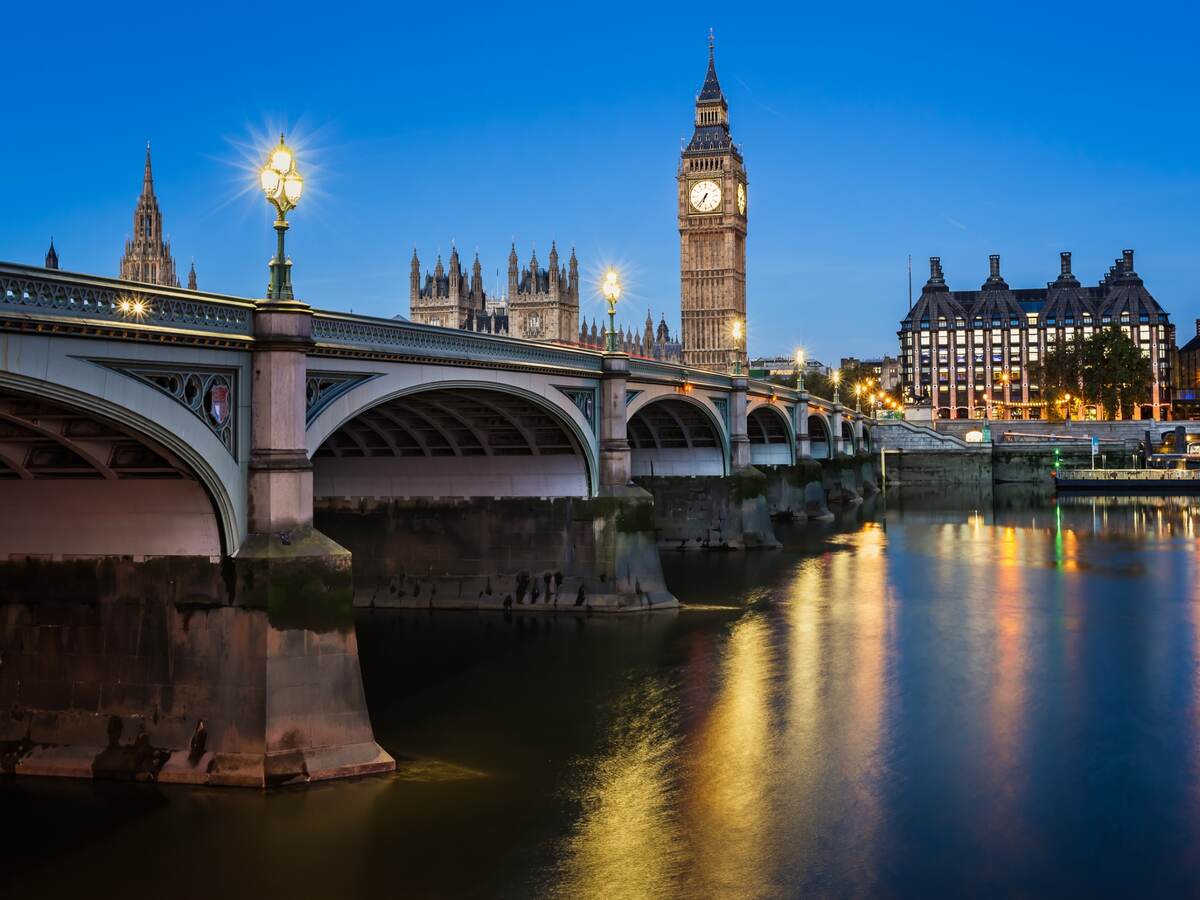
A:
(705, 196)
(741, 199)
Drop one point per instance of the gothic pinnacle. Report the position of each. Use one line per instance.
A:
(148, 175)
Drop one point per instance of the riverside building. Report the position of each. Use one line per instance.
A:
(968, 354)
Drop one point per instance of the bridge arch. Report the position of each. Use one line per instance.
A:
(81, 475)
(848, 436)
(820, 436)
(772, 438)
(458, 438)
(676, 434)
(867, 444)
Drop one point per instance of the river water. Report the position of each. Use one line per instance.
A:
(997, 697)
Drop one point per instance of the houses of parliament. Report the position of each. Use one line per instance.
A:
(543, 304)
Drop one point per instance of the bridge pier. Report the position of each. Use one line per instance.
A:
(315, 714)
(837, 446)
(739, 440)
(803, 442)
(525, 553)
(796, 493)
(615, 464)
(280, 478)
(711, 512)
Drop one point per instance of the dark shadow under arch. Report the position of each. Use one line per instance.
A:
(453, 441)
(819, 437)
(77, 483)
(676, 435)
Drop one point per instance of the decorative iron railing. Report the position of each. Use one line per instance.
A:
(341, 330)
(48, 293)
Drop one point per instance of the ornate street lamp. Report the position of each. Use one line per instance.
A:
(611, 289)
(799, 368)
(836, 377)
(281, 183)
(858, 390)
(737, 330)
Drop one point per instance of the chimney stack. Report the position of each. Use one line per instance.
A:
(1128, 256)
(994, 265)
(1064, 260)
(1198, 328)
(935, 268)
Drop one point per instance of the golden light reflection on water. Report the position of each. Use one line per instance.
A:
(791, 719)
(783, 759)
(1006, 678)
(727, 768)
(626, 843)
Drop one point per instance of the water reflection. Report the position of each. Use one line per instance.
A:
(626, 841)
(993, 698)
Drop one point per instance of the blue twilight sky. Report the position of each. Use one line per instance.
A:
(870, 132)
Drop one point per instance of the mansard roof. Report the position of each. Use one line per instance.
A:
(1121, 291)
(1126, 293)
(995, 299)
(936, 300)
(1065, 296)
(710, 137)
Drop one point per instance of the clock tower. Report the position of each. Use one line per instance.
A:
(712, 233)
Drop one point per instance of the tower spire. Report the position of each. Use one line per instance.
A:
(711, 90)
(148, 176)
(147, 256)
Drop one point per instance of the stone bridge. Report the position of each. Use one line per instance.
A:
(170, 610)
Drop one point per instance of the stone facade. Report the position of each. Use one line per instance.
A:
(478, 553)
(541, 303)
(147, 256)
(970, 354)
(712, 233)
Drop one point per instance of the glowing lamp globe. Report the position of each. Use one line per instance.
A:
(611, 287)
(279, 179)
(293, 187)
(281, 159)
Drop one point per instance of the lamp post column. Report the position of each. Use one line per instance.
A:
(280, 287)
(615, 462)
